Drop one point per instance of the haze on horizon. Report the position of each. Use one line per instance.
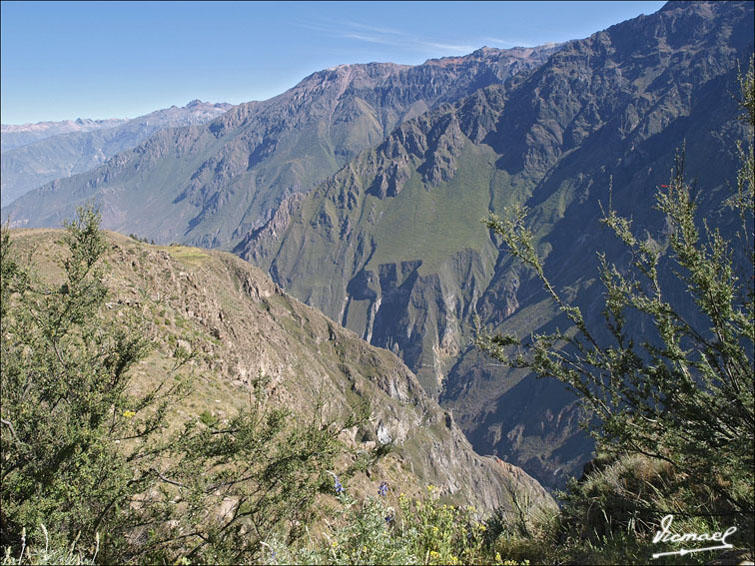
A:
(98, 60)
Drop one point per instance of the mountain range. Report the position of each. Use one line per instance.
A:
(362, 189)
(210, 185)
(393, 248)
(17, 135)
(34, 154)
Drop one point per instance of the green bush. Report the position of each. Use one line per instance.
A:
(66, 405)
(372, 531)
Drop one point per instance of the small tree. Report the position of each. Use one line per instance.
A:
(65, 397)
(685, 394)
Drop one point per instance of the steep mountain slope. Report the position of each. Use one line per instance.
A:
(393, 248)
(86, 146)
(238, 324)
(210, 185)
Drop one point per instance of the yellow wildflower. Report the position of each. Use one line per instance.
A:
(128, 414)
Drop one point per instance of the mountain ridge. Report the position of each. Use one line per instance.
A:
(17, 135)
(236, 324)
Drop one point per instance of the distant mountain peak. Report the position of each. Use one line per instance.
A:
(486, 53)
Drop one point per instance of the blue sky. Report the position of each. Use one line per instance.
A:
(63, 60)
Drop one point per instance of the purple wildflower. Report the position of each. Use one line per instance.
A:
(337, 486)
(383, 489)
